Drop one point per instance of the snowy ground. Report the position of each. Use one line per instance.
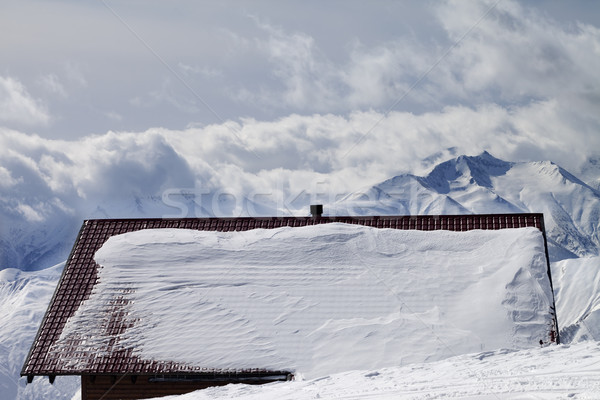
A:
(553, 372)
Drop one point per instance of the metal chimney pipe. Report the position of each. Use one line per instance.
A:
(316, 210)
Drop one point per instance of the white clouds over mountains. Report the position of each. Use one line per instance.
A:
(278, 159)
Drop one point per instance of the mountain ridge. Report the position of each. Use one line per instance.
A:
(485, 184)
(460, 185)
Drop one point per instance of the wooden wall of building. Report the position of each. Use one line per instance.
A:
(96, 387)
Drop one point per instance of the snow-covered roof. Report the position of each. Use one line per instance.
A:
(168, 296)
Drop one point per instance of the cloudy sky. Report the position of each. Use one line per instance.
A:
(117, 97)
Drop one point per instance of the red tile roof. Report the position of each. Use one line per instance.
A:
(80, 275)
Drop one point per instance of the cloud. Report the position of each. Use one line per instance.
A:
(205, 72)
(416, 57)
(6, 180)
(516, 53)
(115, 116)
(70, 176)
(305, 77)
(17, 106)
(29, 213)
(51, 83)
(501, 53)
(166, 95)
(380, 75)
(284, 162)
(75, 75)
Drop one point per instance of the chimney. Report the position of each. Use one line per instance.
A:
(316, 210)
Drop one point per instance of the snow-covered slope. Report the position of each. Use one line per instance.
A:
(30, 245)
(577, 291)
(555, 372)
(484, 184)
(590, 172)
(24, 297)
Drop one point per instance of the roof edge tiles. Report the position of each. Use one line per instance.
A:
(80, 275)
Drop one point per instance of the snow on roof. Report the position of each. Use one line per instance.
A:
(315, 300)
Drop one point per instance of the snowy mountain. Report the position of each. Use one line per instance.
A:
(37, 234)
(590, 172)
(485, 184)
